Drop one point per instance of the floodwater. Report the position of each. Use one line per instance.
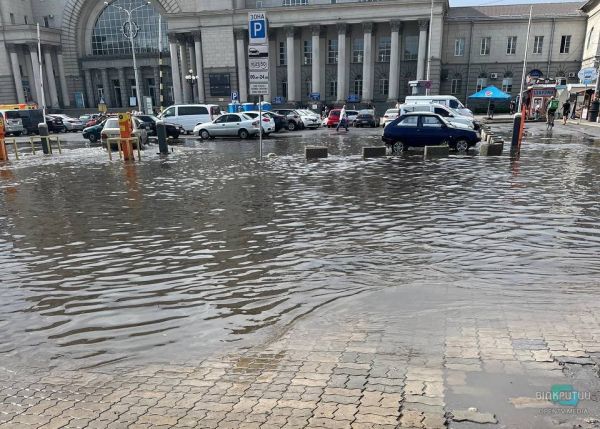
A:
(209, 250)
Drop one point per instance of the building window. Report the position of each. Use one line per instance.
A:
(107, 34)
(295, 2)
(384, 86)
(358, 50)
(307, 53)
(411, 47)
(511, 45)
(358, 85)
(332, 51)
(481, 83)
(565, 44)
(219, 84)
(46, 22)
(485, 46)
(507, 85)
(282, 54)
(332, 88)
(284, 88)
(459, 47)
(385, 50)
(538, 44)
(456, 86)
(308, 87)
(12, 18)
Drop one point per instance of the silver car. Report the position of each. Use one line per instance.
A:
(111, 130)
(229, 125)
(72, 124)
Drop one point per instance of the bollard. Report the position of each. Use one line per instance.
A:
(494, 148)
(315, 152)
(436, 151)
(3, 152)
(43, 129)
(161, 134)
(374, 152)
(516, 134)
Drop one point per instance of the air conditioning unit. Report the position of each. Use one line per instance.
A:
(572, 74)
(493, 75)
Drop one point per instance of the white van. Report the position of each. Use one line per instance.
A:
(13, 124)
(190, 115)
(449, 114)
(446, 100)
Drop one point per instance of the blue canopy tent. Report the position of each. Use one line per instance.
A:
(490, 93)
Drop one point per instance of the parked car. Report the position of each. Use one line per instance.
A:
(351, 115)
(365, 120)
(268, 123)
(93, 133)
(30, 118)
(280, 120)
(425, 129)
(446, 100)
(111, 129)
(86, 118)
(309, 118)
(173, 130)
(13, 124)
(371, 112)
(55, 124)
(389, 116)
(451, 115)
(71, 124)
(294, 121)
(95, 119)
(230, 125)
(333, 118)
(190, 115)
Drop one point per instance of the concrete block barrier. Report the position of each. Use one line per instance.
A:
(374, 152)
(436, 151)
(491, 149)
(315, 152)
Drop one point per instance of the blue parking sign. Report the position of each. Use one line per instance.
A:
(257, 28)
(235, 96)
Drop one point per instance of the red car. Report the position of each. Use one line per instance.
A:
(334, 118)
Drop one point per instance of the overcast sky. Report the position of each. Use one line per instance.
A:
(501, 2)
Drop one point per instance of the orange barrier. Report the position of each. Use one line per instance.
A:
(126, 130)
(3, 153)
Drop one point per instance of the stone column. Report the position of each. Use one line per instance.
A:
(51, 79)
(14, 62)
(35, 65)
(106, 87)
(394, 77)
(241, 64)
(175, 74)
(199, 66)
(291, 65)
(342, 67)
(124, 86)
(187, 93)
(316, 55)
(367, 89)
(89, 88)
(423, 25)
(63, 79)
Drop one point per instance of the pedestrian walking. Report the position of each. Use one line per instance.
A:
(537, 110)
(551, 112)
(566, 110)
(491, 109)
(343, 119)
(512, 107)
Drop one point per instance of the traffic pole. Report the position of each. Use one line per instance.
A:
(260, 143)
(3, 153)
(125, 130)
(161, 134)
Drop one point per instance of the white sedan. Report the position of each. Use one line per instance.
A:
(229, 125)
(309, 119)
(268, 123)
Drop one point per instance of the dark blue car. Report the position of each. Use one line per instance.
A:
(427, 129)
(93, 133)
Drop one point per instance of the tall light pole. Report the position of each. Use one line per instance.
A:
(429, 47)
(192, 80)
(131, 37)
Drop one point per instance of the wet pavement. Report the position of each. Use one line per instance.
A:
(213, 290)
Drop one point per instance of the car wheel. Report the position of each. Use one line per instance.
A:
(204, 135)
(244, 134)
(398, 148)
(462, 145)
(175, 135)
(17, 134)
(92, 138)
(291, 126)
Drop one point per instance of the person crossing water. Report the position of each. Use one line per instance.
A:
(343, 119)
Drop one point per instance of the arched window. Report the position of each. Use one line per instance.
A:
(590, 37)
(110, 33)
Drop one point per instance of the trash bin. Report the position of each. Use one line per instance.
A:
(593, 112)
(266, 106)
(248, 107)
(232, 108)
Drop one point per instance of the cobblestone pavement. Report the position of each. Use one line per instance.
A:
(402, 358)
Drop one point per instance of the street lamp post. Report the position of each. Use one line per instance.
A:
(130, 36)
(192, 79)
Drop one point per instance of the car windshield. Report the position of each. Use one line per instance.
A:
(246, 117)
(111, 123)
(392, 112)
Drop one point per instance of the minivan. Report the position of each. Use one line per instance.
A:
(446, 100)
(451, 115)
(12, 122)
(31, 118)
(190, 115)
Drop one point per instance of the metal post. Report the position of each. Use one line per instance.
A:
(41, 74)
(260, 142)
(525, 60)
(160, 63)
(514, 144)
(429, 48)
(161, 134)
(43, 128)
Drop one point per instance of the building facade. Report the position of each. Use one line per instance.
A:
(366, 50)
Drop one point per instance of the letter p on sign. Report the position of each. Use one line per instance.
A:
(257, 26)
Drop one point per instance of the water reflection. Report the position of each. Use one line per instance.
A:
(209, 249)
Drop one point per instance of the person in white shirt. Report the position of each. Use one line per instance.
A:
(343, 118)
